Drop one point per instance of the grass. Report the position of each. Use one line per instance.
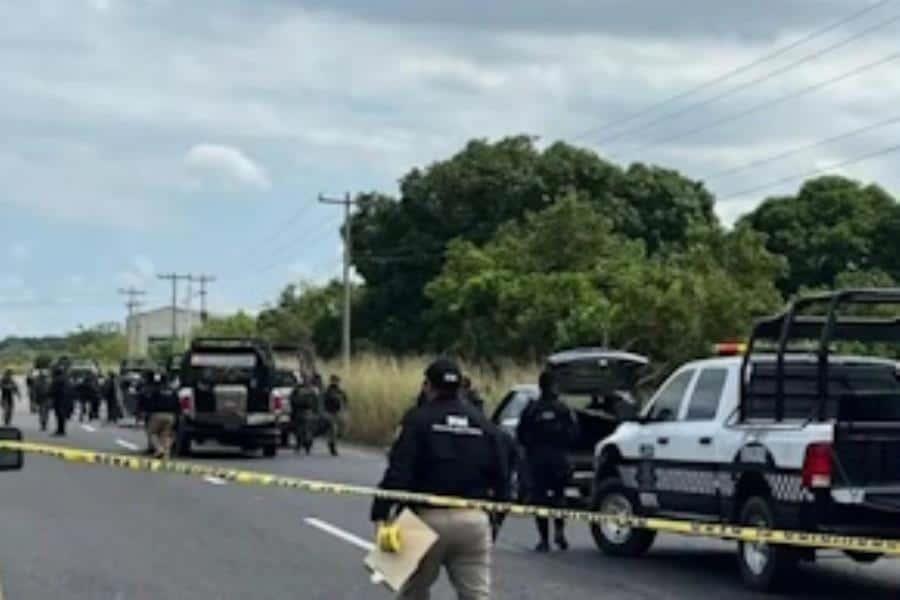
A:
(381, 389)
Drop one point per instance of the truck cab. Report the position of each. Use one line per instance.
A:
(229, 393)
(784, 433)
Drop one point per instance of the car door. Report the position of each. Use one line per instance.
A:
(654, 439)
(690, 472)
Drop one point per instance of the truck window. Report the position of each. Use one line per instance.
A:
(668, 401)
(704, 402)
(514, 406)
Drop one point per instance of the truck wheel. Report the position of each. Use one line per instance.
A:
(763, 566)
(611, 497)
(270, 451)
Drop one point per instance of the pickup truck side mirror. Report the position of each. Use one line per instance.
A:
(10, 460)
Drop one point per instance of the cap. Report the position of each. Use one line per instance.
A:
(443, 373)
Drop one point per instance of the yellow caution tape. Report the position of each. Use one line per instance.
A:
(681, 527)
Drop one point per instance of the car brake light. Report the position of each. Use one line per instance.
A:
(817, 466)
(186, 399)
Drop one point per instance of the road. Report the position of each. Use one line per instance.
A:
(85, 532)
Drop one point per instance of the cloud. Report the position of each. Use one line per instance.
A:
(19, 251)
(229, 162)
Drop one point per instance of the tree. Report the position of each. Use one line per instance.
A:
(400, 244)
(563, 277)
(239, 325)
(307, 315)
(833, 225)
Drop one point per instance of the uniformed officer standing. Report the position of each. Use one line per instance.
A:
(111, 395)
(9, 391)
(160, 406)
(447, 447)
(62, 399)
(546, 430)
(42, 397)
(334, 409)
(304, 414)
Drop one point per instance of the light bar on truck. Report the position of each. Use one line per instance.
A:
(730, 349)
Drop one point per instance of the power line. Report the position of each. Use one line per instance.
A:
(770, 103)
(799, 149)
(254, 251)
(749, 84)
(812, 173)
(729, 74)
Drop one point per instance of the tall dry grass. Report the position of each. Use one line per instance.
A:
(382, 388)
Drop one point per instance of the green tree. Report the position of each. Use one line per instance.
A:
(832, 226)
(238, 325)
(400, 244)
(563, 277)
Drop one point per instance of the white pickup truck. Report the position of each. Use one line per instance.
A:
(791, 437)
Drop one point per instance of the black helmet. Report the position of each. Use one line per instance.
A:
(547, 382)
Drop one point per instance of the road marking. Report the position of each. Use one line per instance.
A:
(215, 480)
(127, 444)
(88, 428)
(340, 533)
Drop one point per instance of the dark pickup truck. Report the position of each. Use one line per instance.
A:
(229, 393)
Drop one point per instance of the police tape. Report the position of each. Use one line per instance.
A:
(679, 527)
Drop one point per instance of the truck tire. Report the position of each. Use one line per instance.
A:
(764, 567)
(611, 497)
(270, 451)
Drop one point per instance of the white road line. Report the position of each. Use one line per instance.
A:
(340, 533)
(215, 480)
(88, 428)
(127, 445)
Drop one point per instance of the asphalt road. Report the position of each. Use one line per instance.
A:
(85, 532)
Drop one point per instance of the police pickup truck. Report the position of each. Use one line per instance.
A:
(798, 430)
(229, 393)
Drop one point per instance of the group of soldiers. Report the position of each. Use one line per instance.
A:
(316, 411)
(56, 391)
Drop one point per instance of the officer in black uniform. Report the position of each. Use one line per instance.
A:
(9, 391)
(62, 399)
(304, 415)
(448, 447)
(546, 430)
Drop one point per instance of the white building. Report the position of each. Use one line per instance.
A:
(145, 328)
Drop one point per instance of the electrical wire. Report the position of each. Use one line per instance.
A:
(733, 72)
(770, 103)
(799, 149)
(753, 82)
(812, 173)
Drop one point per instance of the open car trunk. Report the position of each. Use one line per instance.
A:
(600, 386)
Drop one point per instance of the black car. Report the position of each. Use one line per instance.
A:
(600, 386)
(229, 392)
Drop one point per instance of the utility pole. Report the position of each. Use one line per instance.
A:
(131, 304)
(347, 202)
(203, 280)
(174, 278)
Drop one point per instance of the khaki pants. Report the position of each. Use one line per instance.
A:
(160, 428)
(463, 548)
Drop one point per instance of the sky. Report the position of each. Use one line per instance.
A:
(142, 137)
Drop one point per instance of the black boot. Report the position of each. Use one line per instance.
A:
(560, 538)
(543, 528)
